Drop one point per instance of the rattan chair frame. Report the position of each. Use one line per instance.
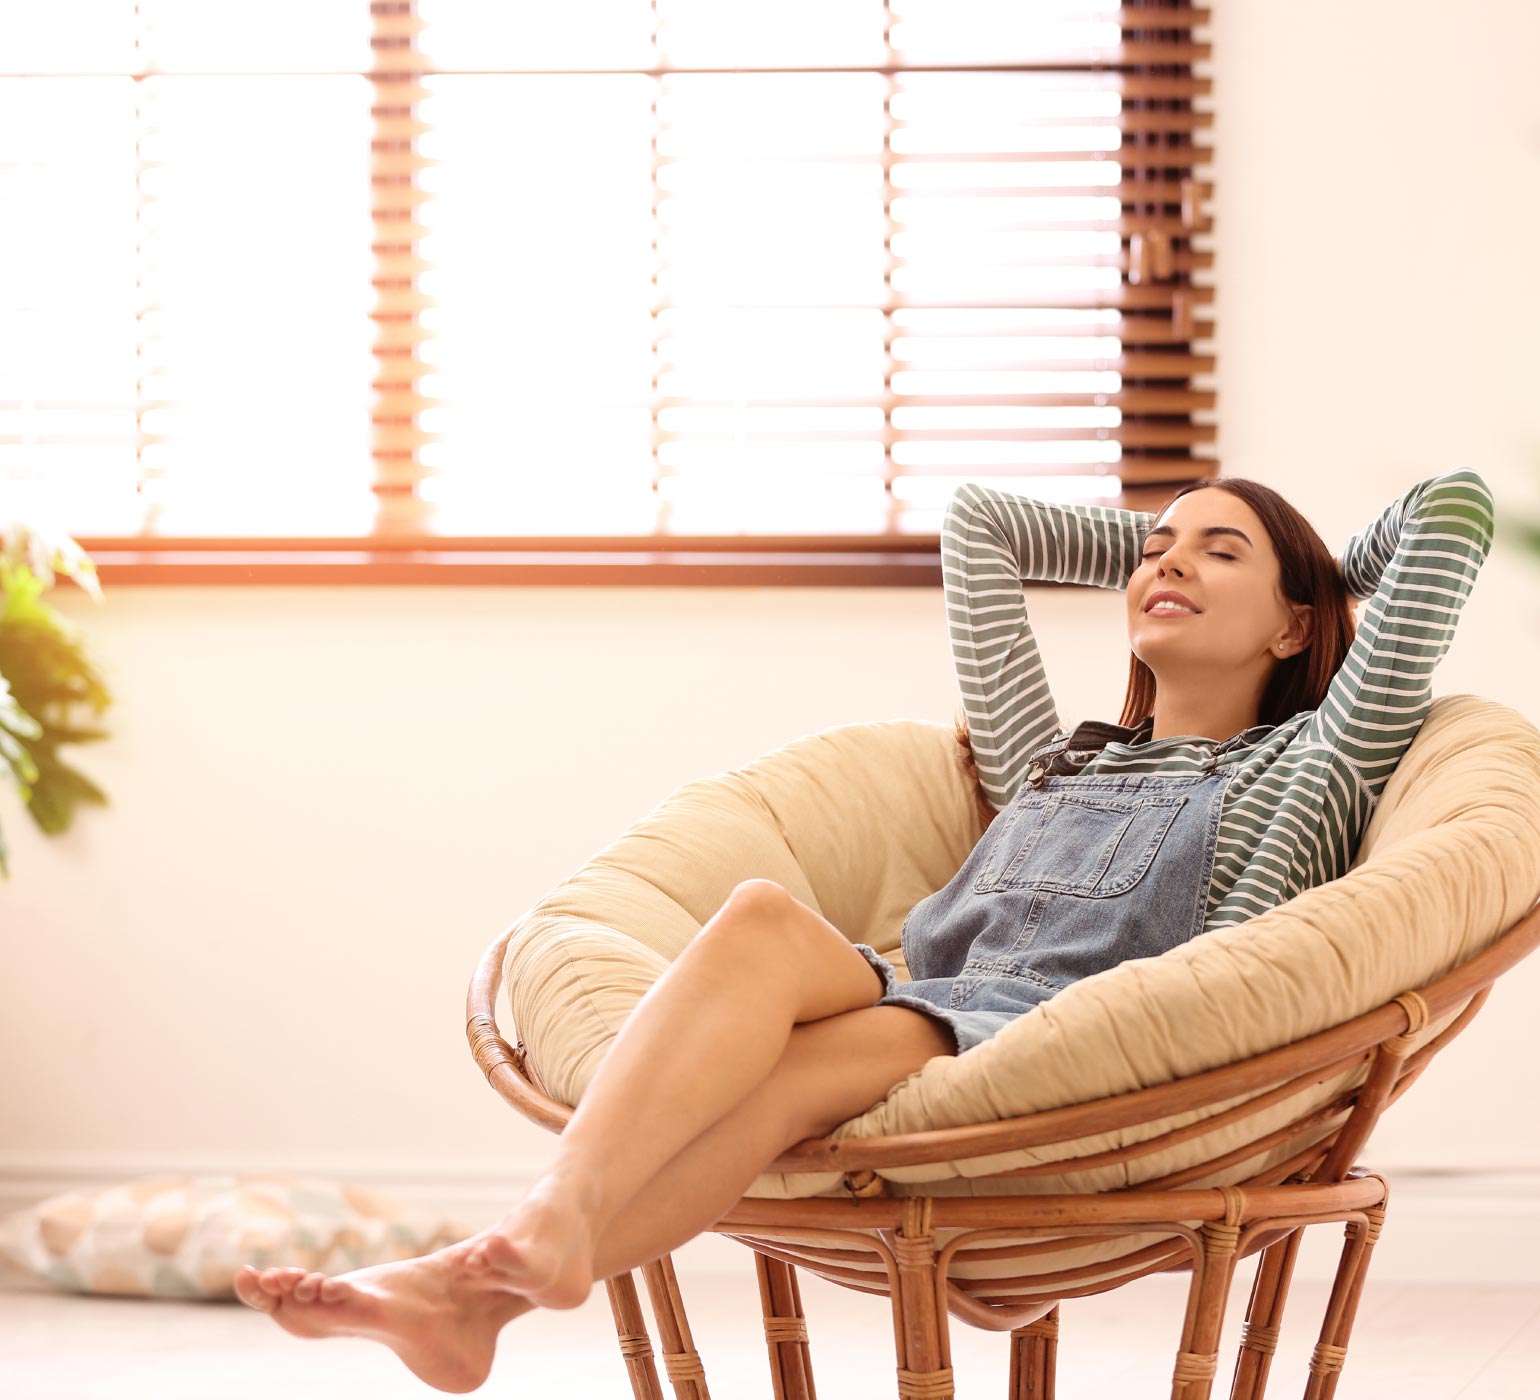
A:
(1264, 1215)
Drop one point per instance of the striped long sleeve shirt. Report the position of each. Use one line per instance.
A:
(1305, 789)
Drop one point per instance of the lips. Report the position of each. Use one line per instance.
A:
(1169, 595)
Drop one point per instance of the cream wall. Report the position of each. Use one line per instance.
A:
(327, 802)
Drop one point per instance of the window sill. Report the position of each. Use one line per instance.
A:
(403, 552)
(136, 564)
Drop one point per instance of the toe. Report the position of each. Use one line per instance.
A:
(280, 1279)
(306, 1289)
(334, 1290)
(249, 1290)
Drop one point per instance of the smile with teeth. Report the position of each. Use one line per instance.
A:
(1167, 608)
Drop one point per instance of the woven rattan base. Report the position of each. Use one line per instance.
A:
(1202, 1232)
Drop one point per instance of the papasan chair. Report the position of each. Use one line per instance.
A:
(1174, 1113)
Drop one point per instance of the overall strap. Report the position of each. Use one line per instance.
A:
(1066, 754)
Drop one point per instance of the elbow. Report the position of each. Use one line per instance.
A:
(1469, 499)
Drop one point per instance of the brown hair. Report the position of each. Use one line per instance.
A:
(970, 767)
(1307, 573)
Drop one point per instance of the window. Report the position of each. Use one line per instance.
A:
(613, 291)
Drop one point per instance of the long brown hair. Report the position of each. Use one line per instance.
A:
(970, 767)
(1307, 573)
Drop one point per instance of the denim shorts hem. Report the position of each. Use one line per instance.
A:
(968, 1028)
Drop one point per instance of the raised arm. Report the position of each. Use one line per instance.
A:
(1416, 564)
(993, 541)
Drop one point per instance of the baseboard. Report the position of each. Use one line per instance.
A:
(1443, 1226)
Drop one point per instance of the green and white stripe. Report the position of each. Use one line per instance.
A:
(1303, 790)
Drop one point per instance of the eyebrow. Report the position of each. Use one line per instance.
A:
(1205, 533)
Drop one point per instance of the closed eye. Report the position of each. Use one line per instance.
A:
(1216, 553)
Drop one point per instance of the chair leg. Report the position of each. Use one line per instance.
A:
(1264, 1316)
(679, 1354)
(1034, 1350)
(791, 1368)
(1352, 1268)
(920, 1325)
(1212, 1270)
(635, 1343)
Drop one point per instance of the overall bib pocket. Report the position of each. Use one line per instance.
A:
(1094, 845)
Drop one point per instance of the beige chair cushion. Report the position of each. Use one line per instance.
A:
(862, 821)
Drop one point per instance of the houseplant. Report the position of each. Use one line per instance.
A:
(45, 680)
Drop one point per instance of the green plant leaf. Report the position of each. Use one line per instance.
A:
(42, 552)
(48, 669)
(1525, 533)
(15, 726)
(58, 790)
(46, 683)
(65, 734)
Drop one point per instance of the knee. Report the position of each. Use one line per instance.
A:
(764, 895)
(756, 915)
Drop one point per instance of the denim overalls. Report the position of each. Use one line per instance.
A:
(1075, 875)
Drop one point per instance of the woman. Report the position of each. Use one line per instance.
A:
(1258, 730)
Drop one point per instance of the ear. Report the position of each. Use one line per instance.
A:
(1300, 630)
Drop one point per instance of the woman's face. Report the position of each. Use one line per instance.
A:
(1230, 576)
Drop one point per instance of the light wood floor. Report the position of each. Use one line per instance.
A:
(1410, 1342)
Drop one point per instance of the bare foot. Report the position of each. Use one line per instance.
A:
(543, 1249)
(440, 1320)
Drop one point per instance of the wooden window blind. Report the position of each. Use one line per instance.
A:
(616, 291)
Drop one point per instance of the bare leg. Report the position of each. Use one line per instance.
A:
(705, 1036)
(443, 1321)
(764, 964)
(831, 1070)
